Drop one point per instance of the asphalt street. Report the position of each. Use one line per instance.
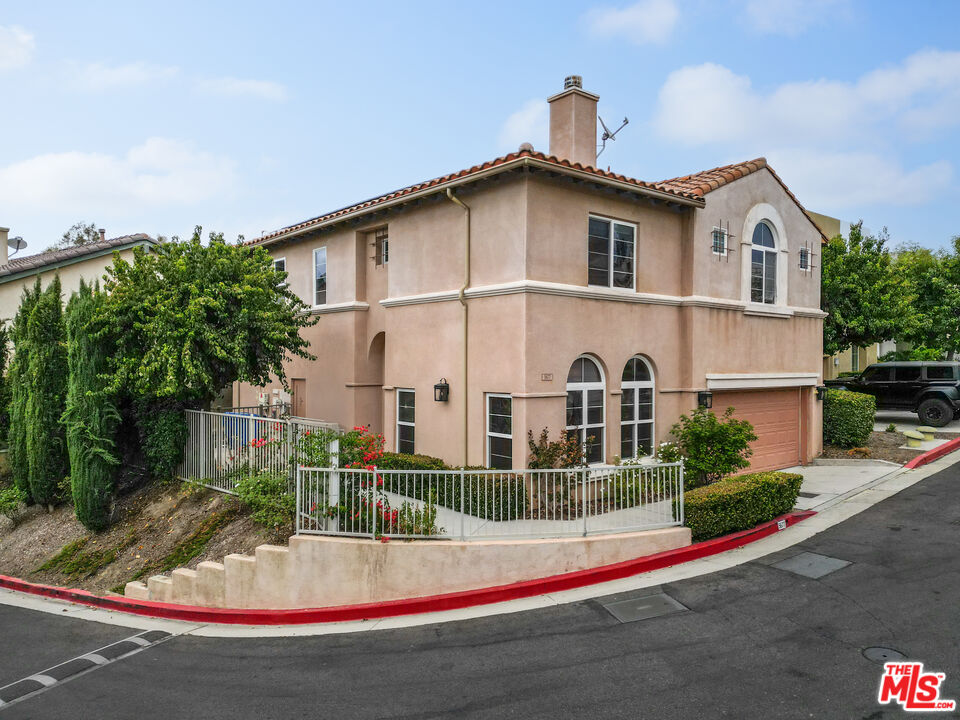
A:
(757, 641)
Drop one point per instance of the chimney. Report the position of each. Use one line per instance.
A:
(4, 234)
(573, 123)
(103, 234)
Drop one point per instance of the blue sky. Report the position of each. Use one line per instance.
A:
(245, 117)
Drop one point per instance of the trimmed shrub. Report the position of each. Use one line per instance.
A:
(91, 416)
(405, 461)
(12, 500)
(46, 394)
(17, 437)
(739, 503)
(271, 504)
(546, 454)
(848, 418)
(712, 447)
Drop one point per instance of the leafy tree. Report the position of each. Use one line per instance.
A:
(864, 300)
(78, 234)
(91, 414)
(933, 282)
(18, 382)
(712, 447)
(46, 388)
(187, 319)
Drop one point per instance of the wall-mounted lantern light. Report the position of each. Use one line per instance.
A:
(441, 391)
(705, 399)
(821, 392)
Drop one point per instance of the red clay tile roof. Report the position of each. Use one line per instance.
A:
(699, 184)
(656, 189)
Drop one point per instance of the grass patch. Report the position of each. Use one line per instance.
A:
(188, 548)
(77, 562)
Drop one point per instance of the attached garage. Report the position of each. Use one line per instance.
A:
(776, 416)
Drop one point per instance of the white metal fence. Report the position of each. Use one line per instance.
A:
(488, 504)
(223, 447)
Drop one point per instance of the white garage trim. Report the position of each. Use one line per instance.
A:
(750, 381)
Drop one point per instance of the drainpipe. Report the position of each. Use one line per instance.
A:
(466, 325)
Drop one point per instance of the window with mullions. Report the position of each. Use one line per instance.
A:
(636, 409)
(611, 253)
(719, 241)
(382, 242)
(406, 421)
(320, 276)
(804, 258)
(499, 431)
(763, 266)
(585, 407)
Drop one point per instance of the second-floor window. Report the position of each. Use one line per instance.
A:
(320, 276)
(804, 258)
(382, 242)
(280, 265)
(763, 266)
(719, 241)
(612, 253)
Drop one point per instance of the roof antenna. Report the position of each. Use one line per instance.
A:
(607, 135)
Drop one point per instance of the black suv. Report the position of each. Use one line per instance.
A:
(930, 389)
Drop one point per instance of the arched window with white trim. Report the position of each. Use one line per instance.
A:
(585, 406)
(636, 409)
(763, 265)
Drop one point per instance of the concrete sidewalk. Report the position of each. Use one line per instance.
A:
(826, 480)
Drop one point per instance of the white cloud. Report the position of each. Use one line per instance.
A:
(528, 124)
(645, 22)
(710, 103)
(157, 174)
(100, 77)
(239, 87)
(791, 17)
(854, 180)
(16, 47)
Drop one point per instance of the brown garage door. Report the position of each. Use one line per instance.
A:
(775, 415)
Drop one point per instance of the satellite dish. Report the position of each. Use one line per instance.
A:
(17, 243)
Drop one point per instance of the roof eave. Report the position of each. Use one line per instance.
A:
(525, 161)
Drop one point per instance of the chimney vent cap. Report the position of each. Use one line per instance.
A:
(573, 81)
(525, 146)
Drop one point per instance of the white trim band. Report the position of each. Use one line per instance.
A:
(751, 381)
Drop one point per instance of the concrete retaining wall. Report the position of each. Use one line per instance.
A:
(325, 571)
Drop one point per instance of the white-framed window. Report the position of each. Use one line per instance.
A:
(320, 276)
(499, 431)
(720, 237)
(406, 421)
(611, 255)
(763, 266)
(636, 409)
(805, 259)
(280, 265)
(381, 241)
(585, 407)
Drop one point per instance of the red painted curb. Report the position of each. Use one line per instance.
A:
(411, 606)
(935, 454)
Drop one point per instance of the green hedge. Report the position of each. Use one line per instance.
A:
(739, 503)
(405, 461)
(848, 418)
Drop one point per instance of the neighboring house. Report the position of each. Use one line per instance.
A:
(544, 292)
(83, 261)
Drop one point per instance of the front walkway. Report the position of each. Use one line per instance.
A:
(826, 480)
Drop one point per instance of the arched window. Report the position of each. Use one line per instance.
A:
(636, 409)
(763, 265)
(585, 393)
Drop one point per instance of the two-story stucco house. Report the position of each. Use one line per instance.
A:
(545, 292)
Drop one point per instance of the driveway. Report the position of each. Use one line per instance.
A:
(764, 639)
(907, 421)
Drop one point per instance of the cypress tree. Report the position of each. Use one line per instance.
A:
(18, 381)
(91, 414)
(46, 387)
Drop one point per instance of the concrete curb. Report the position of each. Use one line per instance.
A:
(935, 454)
(412, 606)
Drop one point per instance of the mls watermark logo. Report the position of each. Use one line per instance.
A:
(915, 690)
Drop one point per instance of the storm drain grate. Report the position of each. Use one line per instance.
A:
(808, 494)
(811, 565)
(644, 608)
